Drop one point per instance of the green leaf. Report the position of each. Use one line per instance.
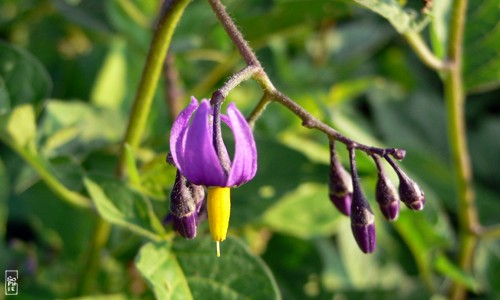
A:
(76, 128)
(156, 177)
(189, 269)
(237, 274)
(159, 266)
(280, 171)
(402, 20)
(482, 58)
(110, 86)
(124, 207)
(18, 128)
(22, 78)
(448, 268)
(305, 212)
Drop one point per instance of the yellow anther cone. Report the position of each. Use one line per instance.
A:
(219, 209)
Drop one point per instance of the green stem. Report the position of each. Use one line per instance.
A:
(455, 101)
(169, 18)
(423, 52)
(100, 236)
(172, 12)
(52, 181)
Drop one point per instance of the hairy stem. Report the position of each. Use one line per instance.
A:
(255, 70)
(455, 101)
(233, 32)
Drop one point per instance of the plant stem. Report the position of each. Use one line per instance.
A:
(455, 100)
(169, 17)
(171, 13)
(51, 180)
(233, 32)
(255, 70)
(424, 53)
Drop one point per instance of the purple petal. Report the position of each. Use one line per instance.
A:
(178, 134)
(201, 165)
(244, 165)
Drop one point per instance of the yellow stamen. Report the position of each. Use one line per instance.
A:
(219, 207)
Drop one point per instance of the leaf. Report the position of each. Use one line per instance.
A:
(22, 78)
(443, 264)
(189, 269)
(481, 42)
(110, 86)
(287, 14)
(156, 177)
(280, 171)
(76, 128)
(124, 207)
(18, 128)
(305, 212)
(237, 274)
(159, 266)
(4, 192)
(403, 20)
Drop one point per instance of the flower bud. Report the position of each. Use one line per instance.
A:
(410, 193)
(386, 194)
(362, 222)
(362, 218)
(339, 184)
(387, 198)
(185, 203)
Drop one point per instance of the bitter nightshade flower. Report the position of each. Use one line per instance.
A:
(200, 155)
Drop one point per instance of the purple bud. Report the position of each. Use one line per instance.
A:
(362, 218)
(386, 194)
(410, 193)
(186, 225)
(185, 202)
(362, 222)
(339, 184)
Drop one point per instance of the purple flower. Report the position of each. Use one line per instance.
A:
(194, 154)
(199, 153)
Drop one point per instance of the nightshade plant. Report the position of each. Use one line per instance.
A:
(359, 78)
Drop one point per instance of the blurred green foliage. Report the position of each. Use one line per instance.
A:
(68, 74)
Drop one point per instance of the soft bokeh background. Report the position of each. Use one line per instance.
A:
(79, 63)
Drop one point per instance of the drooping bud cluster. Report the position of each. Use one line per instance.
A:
(346, 194)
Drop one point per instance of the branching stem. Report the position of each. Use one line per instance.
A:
(255, 70)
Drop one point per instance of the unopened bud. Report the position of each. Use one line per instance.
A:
(339, 184)
(410, 193)
(386, 194)
(362, 218)
(185, 202)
